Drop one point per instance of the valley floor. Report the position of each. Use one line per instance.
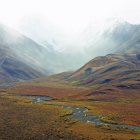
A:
(22, 120)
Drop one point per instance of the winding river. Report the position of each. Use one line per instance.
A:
(80, 113)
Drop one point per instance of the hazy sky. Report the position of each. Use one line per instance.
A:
(69, 14)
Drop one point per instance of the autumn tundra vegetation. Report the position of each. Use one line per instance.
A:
(90, 92)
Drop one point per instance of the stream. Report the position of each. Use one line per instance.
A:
(81, 113)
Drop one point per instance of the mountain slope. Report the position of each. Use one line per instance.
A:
(25, 49)
(13, 70)
(46, 59)
(108, 78)
(132, 45)
(19, 57)
(110, 36)
(115, 36)
(108, 67)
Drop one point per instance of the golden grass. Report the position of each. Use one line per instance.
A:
(111, 116)
(21, 120)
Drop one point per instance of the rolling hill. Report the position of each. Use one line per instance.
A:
(109, 63)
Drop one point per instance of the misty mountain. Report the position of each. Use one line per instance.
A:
(112, 37)
(45, 59)
(64, 47)
(25, 49)
(21, 58)
(14, 70)
(29, 52)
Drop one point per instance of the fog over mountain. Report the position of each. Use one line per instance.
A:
(24, 51)
(69, 69)
(64, 35)
(39, 47)
(53, 50)
(95, 39)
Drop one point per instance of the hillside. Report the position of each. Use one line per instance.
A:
(122, 37)
(108, 69)
(14, 70)
(114, 36)
(19, 57)
(23, 48)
